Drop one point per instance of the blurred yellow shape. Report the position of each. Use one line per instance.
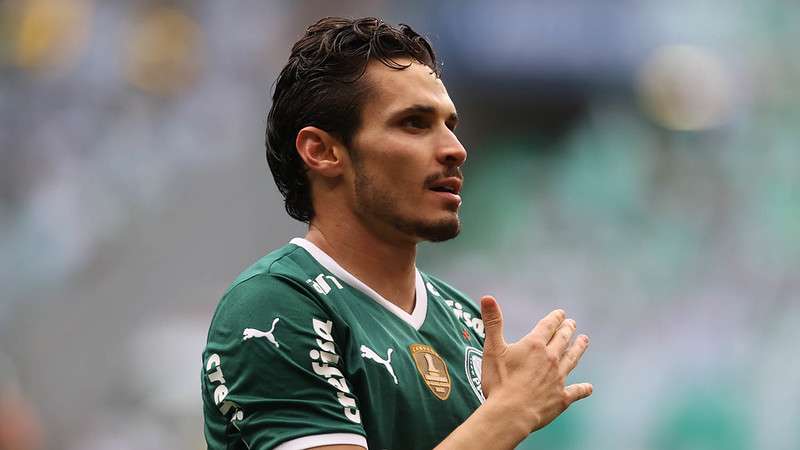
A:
(163, 51)
(51, 34)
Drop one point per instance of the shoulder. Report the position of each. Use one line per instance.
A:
(277, 283)
(287, 264)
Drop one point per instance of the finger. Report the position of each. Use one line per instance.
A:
(578, 391)
(560, 341)
(492, 325)
(574, 353)
(544, 330)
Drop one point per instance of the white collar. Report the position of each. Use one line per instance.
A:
(417, 316)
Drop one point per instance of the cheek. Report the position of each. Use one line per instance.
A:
(396, 162)
(390, 179)
(403, 179)
(405, 163)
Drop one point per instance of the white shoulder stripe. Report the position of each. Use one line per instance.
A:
(323, 439)
(417, 316)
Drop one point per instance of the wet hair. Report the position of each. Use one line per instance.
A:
(323, 85)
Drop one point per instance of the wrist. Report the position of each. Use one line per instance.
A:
(493, 425)
(509, 419)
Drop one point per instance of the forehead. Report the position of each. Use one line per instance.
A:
(393, 89)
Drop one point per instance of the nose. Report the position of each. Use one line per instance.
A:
(451, 153)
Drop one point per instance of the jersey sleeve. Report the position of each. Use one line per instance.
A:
(274, 373)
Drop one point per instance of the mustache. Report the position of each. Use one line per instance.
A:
(454, 172)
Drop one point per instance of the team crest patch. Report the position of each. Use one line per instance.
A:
(472, 365)
(433, 369)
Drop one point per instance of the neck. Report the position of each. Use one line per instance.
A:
(385, 265)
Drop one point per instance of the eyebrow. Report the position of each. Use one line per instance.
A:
(424, 109)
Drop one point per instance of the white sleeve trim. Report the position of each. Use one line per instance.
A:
(319, 440)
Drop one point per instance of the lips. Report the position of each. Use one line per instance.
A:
(450, 185)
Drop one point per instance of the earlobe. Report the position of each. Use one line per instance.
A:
(321, 152)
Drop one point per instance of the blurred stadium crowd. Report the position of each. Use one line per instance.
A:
(637, 163)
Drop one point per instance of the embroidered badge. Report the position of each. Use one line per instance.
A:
(433, 369)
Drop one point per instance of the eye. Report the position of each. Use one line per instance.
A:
(415, 122)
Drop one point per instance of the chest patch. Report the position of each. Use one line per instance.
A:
(433, 370)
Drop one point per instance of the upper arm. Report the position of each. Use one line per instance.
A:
(275, 373)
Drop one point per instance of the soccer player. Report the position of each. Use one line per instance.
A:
(336, 340)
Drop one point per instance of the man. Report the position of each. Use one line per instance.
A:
(336, 340)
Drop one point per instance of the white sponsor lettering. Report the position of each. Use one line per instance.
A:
(466, 317)
(323, 330)
(326, 345)
(323, 362)
(325, 356)
(215, 376)
(432, 289)
(220, 393)
(320, 283)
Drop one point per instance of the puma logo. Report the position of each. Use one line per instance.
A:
(369, 353)
(252, 332)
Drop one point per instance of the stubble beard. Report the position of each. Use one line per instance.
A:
(373, 201)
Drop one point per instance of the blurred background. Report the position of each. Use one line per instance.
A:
(634, 162)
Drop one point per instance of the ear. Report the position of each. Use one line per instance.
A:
(322, 153)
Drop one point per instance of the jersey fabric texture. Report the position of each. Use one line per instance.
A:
(300, 353)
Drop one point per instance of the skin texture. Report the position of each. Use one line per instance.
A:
(407, 143)
(374, 202)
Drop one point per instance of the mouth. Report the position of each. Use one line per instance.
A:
(448, 188)
(444, 189)
(451, 185)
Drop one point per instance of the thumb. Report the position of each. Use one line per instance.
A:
(492, 324)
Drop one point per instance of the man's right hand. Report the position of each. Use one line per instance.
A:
(528, 377)
(523, 382)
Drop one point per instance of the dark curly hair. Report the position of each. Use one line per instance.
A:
(322, 86)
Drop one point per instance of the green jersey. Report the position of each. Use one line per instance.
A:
(301, 353)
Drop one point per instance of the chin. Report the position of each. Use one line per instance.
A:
(440, 231)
